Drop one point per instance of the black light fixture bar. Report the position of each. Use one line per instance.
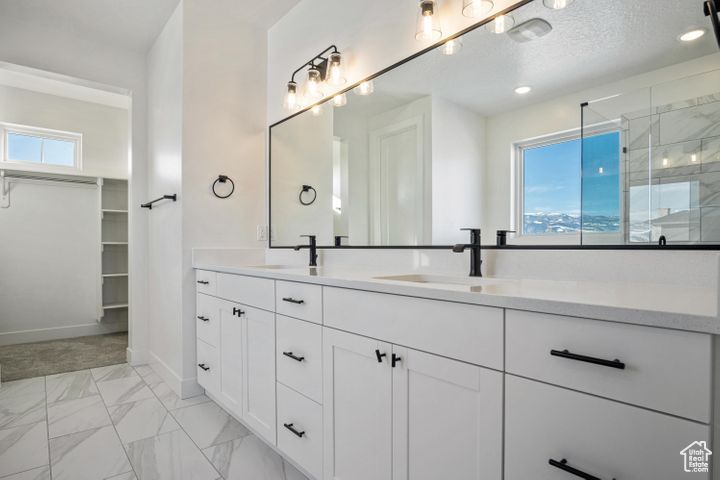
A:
(321, 66)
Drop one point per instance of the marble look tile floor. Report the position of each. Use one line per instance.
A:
(124, 423)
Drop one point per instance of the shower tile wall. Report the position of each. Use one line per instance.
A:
(675, 150)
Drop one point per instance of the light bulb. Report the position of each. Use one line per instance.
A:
(692, 35)
(428, 27)
(476, 8)
(364, 88)
(313, 84)
(693, 158)
(291, 100)
(665, 162)
(316, 110)
(501, 24)
(340, 100)
(557, 4)
(335, 76)
(451, 47)
(523, 90)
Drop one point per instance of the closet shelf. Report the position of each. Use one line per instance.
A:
(115, 306)
(113, 275)
(114, 243)
(113, 210)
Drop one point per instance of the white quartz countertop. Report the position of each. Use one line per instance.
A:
(669, 306)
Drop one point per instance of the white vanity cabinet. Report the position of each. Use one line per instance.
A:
(356, 385)
(396, 413)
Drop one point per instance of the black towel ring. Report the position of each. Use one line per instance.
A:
(223, 179)
(305, 189)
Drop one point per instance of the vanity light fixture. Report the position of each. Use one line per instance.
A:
(665, 161)
(692, 35)
(364, 88)
(524, 90)
(501, 24)
(428, 21)
(291, 99)
(340, 100)
(557, 4)
(693, 158)
(476, 8)
(326, 66)
(451, 47)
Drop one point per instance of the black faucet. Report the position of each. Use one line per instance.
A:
(475, 246)
(338, 240)
(312, 246)
(502, 237)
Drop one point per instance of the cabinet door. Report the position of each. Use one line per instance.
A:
(447, 418)
(231, 358)
(259, 363)
(357, 397)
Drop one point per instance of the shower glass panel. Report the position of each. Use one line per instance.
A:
(658, 177)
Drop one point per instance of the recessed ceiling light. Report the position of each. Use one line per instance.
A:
(692, 35)
(523, 90)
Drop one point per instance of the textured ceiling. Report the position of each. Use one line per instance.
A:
(131, 24)
(592, 43)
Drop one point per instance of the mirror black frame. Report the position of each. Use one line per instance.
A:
(434, 46)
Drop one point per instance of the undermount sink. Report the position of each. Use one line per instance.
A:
(439, 279)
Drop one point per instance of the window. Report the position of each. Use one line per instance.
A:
(41, 147)
(562, 194)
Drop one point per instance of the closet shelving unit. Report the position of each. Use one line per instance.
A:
(114, 249)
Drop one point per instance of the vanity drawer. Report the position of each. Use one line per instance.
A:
(664, 370)
(206, 281)
(600, 437)
(207, 319)
(470, 333)
(299, 356)
(253, 291)
(299, 300)
(304, 417)
(208, 367)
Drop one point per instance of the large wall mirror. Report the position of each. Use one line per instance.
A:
(594, 124)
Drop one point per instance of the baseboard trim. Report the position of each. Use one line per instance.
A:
(136, 357)
(183, 387)
(58, 333)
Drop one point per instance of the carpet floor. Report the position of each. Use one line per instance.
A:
(59, 356)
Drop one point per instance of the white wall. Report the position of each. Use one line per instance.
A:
(105, 129)
(63, 51)
(165, 117)
(207, 117)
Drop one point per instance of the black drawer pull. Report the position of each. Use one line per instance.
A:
(203, 366)
(296, 358)
(380, 355)
(562, 465)
(203, 282)
(395, 360)
(204, 319)
(237, 312)
(292, 300)
(289, 426)
(582, 358)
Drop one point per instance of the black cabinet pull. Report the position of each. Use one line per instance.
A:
(203, 366)
(290, 355)
(562, 465)
(204, 319)
(289, 426)
(582, 358)
(203, 282)
(380, 355)
(237, 312)
(395, 360)
(292, 300)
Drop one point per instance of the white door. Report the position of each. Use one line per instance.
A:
(397, 179)
(259, 371)
(231, 358)
(447, 418)
(357, 394)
